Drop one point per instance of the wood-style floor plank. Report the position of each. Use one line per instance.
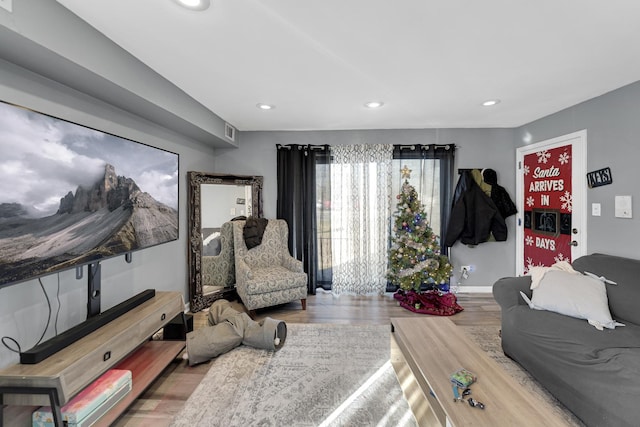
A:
(166, 396)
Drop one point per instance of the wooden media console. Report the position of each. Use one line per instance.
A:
(123, 343)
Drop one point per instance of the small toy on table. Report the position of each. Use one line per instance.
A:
(462, 379)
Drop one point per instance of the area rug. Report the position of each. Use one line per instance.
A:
(325, 375)
(488, 339)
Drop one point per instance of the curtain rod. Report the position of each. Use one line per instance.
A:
(461, 170)
(402, 147)
(427, 146)
(301, 147)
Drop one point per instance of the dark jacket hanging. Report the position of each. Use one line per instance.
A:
(499, 194)
(474, 216)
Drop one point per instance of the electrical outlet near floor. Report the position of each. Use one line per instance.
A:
(7, 5)
(467, 268)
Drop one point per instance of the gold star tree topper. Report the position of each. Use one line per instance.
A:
(406, 172)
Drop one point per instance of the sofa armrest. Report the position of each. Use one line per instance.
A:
(506, 291)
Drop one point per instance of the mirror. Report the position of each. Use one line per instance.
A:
(214, 200)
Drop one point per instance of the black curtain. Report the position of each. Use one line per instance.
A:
(296, 202)
(446, 155)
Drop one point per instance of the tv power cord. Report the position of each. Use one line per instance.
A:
(17, 348)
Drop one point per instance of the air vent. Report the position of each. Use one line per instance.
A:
(229, 131)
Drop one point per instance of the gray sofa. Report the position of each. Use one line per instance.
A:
(594, 373)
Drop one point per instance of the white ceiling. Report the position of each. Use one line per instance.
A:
(432, 62)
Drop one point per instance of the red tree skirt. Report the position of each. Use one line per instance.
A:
(429, 302)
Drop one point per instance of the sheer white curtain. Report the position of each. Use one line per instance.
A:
(361, 193)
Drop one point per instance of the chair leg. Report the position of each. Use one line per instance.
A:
(304, 303)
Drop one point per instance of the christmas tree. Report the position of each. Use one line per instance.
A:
(414, 256)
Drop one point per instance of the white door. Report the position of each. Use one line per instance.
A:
(551, 225)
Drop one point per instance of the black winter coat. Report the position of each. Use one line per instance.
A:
(499, 195)
(474, 216)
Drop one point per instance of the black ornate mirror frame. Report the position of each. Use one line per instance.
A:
(197, 299)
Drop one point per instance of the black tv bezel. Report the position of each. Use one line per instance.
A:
(94, 261)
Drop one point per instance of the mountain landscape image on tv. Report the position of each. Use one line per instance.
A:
(71, 195)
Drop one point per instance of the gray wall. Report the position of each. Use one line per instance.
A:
(45, 37)
(477, 148)
(110, 87)
(612, 122)
(612, 125)
(78, 74)
(23, 307)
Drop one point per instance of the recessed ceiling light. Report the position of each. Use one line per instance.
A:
(490, 102)
(265, 106)
(374, 104)
(194, 4)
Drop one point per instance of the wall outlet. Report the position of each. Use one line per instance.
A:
(465, 270)
(623, 207)
(7, 5)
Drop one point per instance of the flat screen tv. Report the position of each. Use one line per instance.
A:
(71, 195)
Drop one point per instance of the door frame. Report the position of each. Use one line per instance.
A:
(578, 190)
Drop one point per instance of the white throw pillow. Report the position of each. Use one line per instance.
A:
(538, 272)
(574, 295)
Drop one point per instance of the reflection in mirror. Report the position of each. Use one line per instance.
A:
(214, 200)
(218, 270)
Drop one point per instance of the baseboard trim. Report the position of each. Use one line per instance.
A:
(478, 289)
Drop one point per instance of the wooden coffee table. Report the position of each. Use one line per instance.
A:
(426, 351)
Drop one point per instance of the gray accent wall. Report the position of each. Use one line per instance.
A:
(476, 148)
(45, 37)
(613, 128)
(23, 307)
(53, 62)
(612, 122)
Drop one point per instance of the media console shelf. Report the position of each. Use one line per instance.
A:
(122, 343)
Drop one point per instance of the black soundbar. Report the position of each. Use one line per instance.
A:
(57, 343)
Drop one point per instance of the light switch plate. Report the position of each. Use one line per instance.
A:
(596, 209)
(7, 5)
(623, 207)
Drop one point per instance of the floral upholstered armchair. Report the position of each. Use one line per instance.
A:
(267, 274)
(219, 270)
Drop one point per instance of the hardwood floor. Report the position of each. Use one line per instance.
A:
(168, 393)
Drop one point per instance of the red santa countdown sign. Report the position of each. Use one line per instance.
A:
(548, 206)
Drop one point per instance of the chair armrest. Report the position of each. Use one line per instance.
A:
(292, 264)
(243, 271)
(506, 291)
